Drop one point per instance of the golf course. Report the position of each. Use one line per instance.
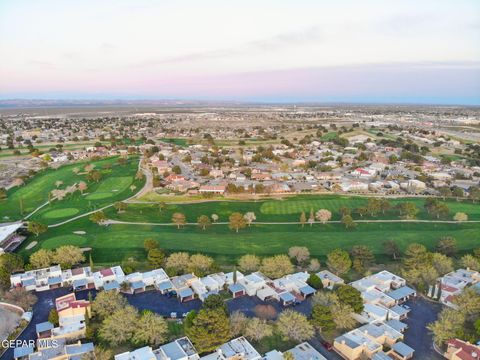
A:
(275, 229)
(114, 184)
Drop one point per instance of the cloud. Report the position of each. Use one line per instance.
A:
(279, 41)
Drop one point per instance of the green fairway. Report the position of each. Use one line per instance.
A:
(113, 186)
(292, 206)
(287, 209)
(114, 243)
(60, 213)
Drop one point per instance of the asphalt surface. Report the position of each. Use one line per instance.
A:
(417, 336)
(422, 313)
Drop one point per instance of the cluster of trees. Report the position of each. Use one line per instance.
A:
(422, 268)
(212, 326)
(66, 256)
(115, 323)
(333, 310)
(236, 220)
(182, 263)
(462, 322)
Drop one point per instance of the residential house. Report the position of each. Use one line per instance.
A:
(236, 349)
(462, 350)
(38, 280)
(329, 280)
(109, 279)
(181, 286)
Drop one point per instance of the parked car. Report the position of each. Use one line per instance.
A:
(327, 345)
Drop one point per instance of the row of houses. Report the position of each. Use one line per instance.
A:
(453, 283)
(289, 289)
(380, 337)
(236, 349)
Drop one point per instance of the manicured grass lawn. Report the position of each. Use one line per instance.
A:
(176, 141)
(114, 243)
(35, 192)
(287, 209)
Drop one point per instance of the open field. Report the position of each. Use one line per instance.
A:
(114, 243)
(286, 209)
(114, 186)
(8, 321)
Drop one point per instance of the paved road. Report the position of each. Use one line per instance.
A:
(45, 303)
(423, 312)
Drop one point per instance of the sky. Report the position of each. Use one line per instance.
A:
(368, 51)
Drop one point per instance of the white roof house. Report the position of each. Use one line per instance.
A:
(238, 348)
(38, 280)
(109, 275)
(253, 282)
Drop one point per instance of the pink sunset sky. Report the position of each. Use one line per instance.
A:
(352, 51)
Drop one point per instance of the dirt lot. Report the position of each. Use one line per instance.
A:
(8, 321)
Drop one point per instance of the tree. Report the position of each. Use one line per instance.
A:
(460, 216)
(20, 297)
(94, 175)
(155, 257)
(416, 255)
(348, 222)
(323, 215)
(362, 211)
(178, 262)
(250, 217)
(236, 221)
(362, 256)
(120, 206)
(42, 258)
(408, 210)
(266, 312)
(470, 262)
(314, 265)
(82, 186)
(200, 264)
(120, 326)
(151, 329)
(391, 248)
(294, 326)
(150, 244)
(68, 255)
(256, 329)
(322, 318)
(303, 218)
(373, 206)
(449, 322)
(445, 192)
(249, 263)
(345, 211)
(315, 282)
(53, 317)
(442, 263)
(214, 217)
(447, 245)
(350, 296)
(107, 303)
(209, 330)
(300, 253)
(215, 302)
(276, 266)
(177, 169)
(238, 322)
(3, 193)
(9, 263)
(98, 217)
(311, 218)
(178, 219)
(339, 262)
(36, 227)
(343, 316)
(204, 222)
(58, 183)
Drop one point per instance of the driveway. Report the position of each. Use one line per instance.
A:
(45, 302)
(422, 313)
(162, 304)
